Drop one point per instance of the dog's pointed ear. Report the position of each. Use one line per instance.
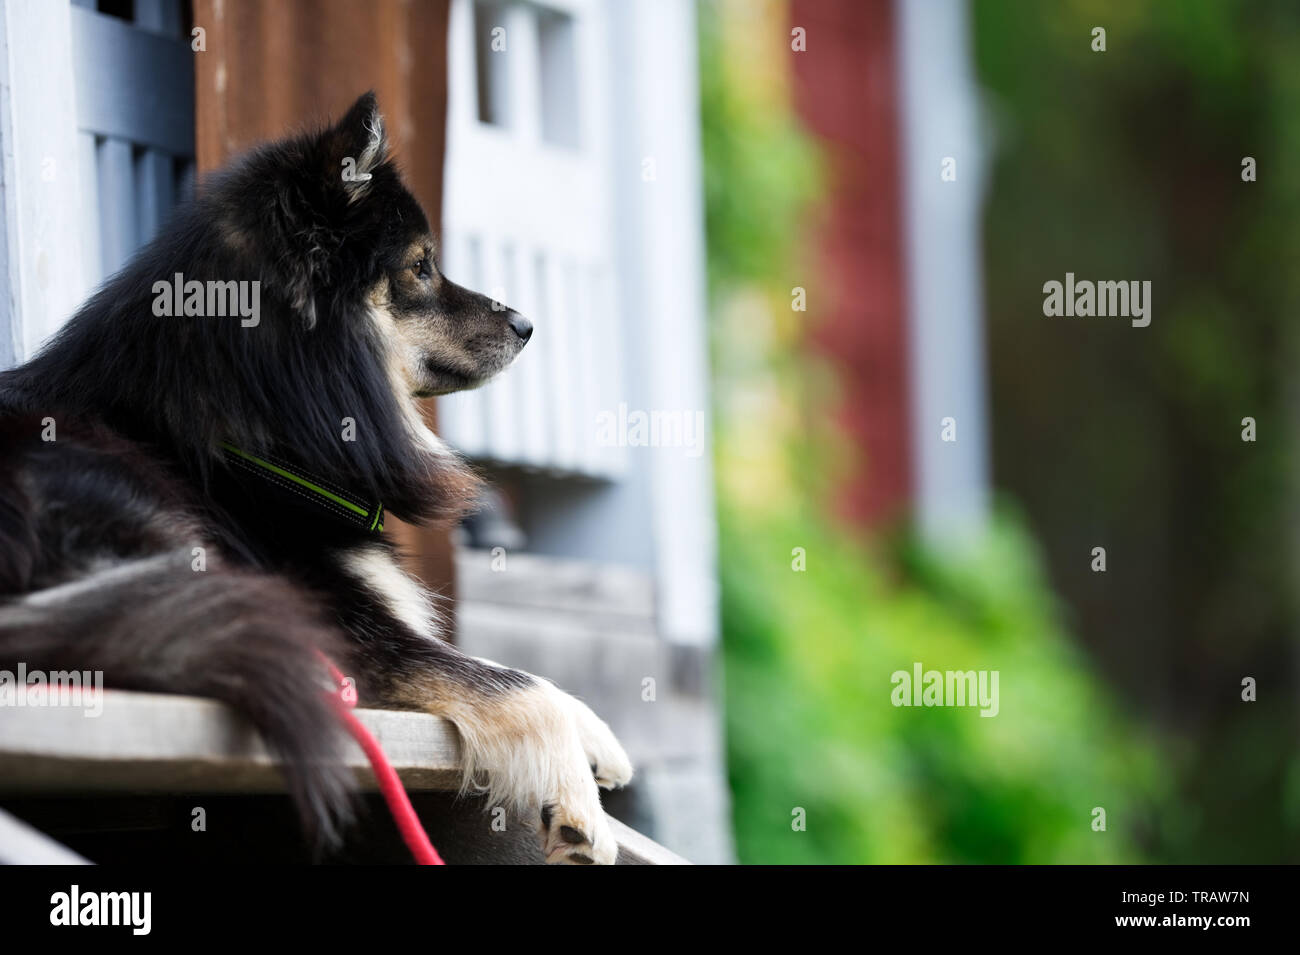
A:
(357, 145)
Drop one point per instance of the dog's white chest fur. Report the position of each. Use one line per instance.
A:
(405, 599)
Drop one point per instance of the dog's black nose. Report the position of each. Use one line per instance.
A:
(521, 326)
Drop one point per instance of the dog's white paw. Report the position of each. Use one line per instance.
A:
(609, 762)
(576, 832)
(542, 752)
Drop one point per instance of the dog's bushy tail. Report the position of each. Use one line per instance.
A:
(249, 640)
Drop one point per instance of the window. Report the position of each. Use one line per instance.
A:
(558, 84)
(492, 63)
(528, 219)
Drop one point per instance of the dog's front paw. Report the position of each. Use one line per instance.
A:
(542, 752)
(609, 762)
(571, 837)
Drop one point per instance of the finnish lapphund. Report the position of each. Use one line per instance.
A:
(192, 503)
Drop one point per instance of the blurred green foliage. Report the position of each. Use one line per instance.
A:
(811, 724)
(808, 655)
(759, 171)
(1127, 164)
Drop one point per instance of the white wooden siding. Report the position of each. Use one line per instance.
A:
(135, 126)
(96, 145)
(939, 115)
(528, 220)
(40, 195)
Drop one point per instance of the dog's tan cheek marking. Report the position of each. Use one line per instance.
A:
(436, 334)
(401, 380)
(399, 358)
(431, 330)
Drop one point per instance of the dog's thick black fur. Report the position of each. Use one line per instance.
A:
(131, 542)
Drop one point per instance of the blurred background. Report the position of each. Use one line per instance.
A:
(1120, 689)
(793, 418)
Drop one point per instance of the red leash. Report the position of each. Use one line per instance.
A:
(399, 804)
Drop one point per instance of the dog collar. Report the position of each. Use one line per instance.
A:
(307, 487)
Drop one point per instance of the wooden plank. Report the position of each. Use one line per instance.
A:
(148, 743)
(636, 849)
(88, 167)
(609, 675)
(155, 191)
(560, 319)
(20, 844)
(119, 236)
(159, 16)
(559, 629)
(460, 416)
(40, 204)
(531, 580)
(530, 395)
(541, 423)
(133, 84)
(110, 829)
(588, 360)
(613, 459)
(498, 400)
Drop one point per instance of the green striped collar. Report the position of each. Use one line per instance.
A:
(322, 494)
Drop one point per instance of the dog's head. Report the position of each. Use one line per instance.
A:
(352, 245)
(349, 320)
(354, 322)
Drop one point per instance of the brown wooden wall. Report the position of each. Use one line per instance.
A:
(847, 93)
(273, 66)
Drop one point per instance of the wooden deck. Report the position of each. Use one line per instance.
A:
(145, 747)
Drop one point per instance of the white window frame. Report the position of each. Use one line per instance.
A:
(513, 202)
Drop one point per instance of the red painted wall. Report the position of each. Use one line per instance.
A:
(846, 94)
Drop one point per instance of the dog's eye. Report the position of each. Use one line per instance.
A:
(423, 269)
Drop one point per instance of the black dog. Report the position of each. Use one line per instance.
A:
(194, 472)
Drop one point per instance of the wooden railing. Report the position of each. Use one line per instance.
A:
(144, 746)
